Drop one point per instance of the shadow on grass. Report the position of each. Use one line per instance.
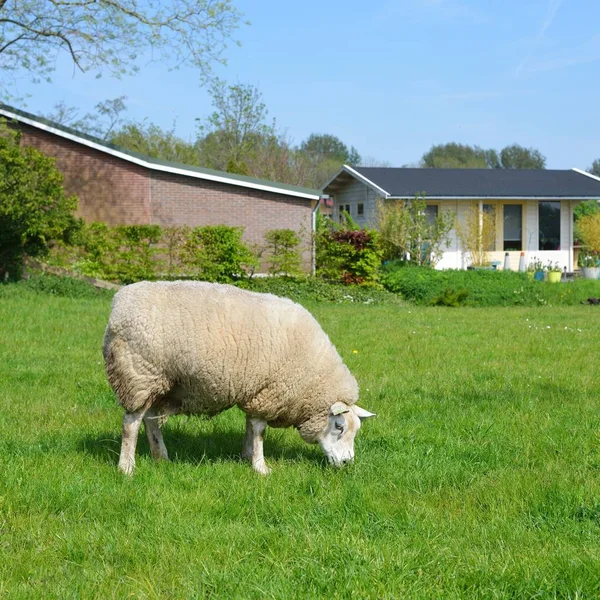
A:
(183, 446)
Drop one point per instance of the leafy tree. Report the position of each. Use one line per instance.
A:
(518, 157)
(101, 123)
(595, 168)
(326, 146)
(236, 129)
(33, 207)
(113, 35)
(152, 140)
(457, 156)
(407, 234)
(463, 156)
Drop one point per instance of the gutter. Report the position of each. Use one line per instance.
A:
(313, 215)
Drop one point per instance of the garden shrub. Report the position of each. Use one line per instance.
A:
(54, 285)
(283, 248)
(217, 253)
(33, 207)
(349, 256)
(482, 288)
(312, 289)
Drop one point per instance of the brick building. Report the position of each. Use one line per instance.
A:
(120, 187)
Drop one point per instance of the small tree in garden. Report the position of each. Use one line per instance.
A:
(33, 207)
(588, 228)
(407, 233)
(283, 250)
(477, 235)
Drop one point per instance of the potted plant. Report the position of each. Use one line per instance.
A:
(536, 268)
(589, 264)
(554, 272)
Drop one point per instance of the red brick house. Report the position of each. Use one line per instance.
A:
(120, 187)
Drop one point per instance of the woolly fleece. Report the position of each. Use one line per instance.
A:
(201, 348)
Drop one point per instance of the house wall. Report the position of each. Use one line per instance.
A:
(356, 193)
(118, 192)
(109, 189)
(180, 200)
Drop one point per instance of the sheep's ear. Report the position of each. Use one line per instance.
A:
(361, 413)
(339, 408)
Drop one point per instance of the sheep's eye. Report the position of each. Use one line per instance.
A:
(339, 426)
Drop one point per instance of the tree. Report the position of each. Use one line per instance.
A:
(457, 156)
(463, 156)
(101, 123)
(408, 234)
(33, 207)
(113, 36)
(595, 168)
(518, 157)
(236, 129)
(152, 140)
(326, 146)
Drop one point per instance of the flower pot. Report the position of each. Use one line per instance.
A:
(554, 276)
(538, 275)
(590, 272)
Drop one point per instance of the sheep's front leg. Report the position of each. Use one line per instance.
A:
(131, 428)
(248, 439)
(258, 427)
(154, 433)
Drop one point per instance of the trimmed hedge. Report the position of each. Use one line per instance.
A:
(425, 286)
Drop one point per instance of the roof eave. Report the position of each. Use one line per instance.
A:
(348, 169)
(149, 164)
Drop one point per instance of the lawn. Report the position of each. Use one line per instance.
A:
(480, 477)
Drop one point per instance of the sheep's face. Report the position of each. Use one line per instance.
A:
(337, 440)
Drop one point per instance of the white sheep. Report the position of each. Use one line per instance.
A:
(201, 348)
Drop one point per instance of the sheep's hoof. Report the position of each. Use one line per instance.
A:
(127, 469)
(261, 468)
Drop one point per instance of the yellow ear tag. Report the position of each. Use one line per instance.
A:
(339, 410)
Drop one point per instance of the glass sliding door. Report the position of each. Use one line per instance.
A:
(513, 227)
(549, 222)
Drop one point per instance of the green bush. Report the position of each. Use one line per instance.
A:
(33, 207)
(312, 289)
(283, 251)
(482, 288)
(217, 253)
(349, 255)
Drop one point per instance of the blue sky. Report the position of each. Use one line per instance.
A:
(392, 77)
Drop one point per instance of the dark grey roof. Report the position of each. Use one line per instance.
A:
(9, 111)
(482, 183)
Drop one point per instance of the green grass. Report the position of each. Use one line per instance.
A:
(480, 477)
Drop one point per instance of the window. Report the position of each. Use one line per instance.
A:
(513, 227)
(431, 210)
(549, 222)
(360, 210)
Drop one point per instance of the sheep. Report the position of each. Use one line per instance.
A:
(201, 348)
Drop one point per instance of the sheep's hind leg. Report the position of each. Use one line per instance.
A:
(152, 422)
(258, 427)
(248, 440)
(131, 428)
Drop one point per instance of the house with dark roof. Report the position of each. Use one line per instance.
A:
(120, 187)
(533, 208)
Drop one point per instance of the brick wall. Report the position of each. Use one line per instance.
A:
(109, 189)
(115, 191)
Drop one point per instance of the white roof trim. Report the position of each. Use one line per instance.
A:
(356, 175)
(426, 198)
(151, 165)
(582, 172)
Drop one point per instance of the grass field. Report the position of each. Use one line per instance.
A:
(480, 478)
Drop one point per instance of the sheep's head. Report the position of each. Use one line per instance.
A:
(337, 440)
